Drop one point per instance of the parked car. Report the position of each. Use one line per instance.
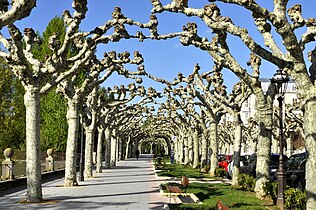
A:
(223, 161)
(250, 164)
(295, 171)
(274, 165)
(243, 164)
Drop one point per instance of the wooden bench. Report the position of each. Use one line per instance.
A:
(221, 206)
(176, 189)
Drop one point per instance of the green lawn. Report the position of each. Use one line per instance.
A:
(209, 194)
(175, 170)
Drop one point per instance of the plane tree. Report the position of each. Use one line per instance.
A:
(219, 50)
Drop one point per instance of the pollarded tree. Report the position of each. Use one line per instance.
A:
(75, 92)
(34, 75)
(118, 105)
(215, 90)
(218, 48)
(39, 76)
(291, 61)
(95, 102)
(132, 117)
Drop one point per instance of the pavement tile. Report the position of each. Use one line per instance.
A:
(130, 185)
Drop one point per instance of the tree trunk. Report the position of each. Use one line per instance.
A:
(204, 150)
(107, 155)
(99, 150)
(127, 147)
(213, 147)
(113, 152)
(186, 150)
(88, 153)
(122, 147)
(117, 157)
(73, 125)
(310, 143)
(190, 144)
(33, 164)
(196, 148)
(254, 146)
(181, 146)
(237, 148)
(289, 146)
(264, 146)
(275, 146)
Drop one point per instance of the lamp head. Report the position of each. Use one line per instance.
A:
(281, 79)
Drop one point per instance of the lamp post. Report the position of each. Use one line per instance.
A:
(281, 79)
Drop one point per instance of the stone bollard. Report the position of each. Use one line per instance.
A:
(50, 160)
(7, 165)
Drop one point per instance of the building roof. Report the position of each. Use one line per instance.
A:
(268, 80)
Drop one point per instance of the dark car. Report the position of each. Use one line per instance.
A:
(274, 165)
(251, 163)
(295, 171)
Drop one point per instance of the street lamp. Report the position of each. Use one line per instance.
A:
(281, 79)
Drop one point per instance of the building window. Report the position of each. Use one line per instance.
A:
(293, 87)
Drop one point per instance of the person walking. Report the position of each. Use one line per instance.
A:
(137, 154)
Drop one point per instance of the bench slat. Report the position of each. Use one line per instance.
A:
(174, 189)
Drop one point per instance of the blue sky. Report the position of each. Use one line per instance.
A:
(164, 58)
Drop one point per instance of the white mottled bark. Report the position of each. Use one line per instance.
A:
(310, 143)
(166, 149)
(127, 147)
(73, 125)
(264, 146)
(190, 145)
(108, 133)
(204, 149)
(181, 153)
(113, 152)
(213, 147)
(186, 150)
(20, 9)
(237, 148)
(88, 164)
(289, 146)
(275, 146)
(151, 148)
(33, 164)
(177, 151)
(122, 150)
(196, 148)
(117, 155)
(99, 150)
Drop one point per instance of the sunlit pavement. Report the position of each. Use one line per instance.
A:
(130, 185)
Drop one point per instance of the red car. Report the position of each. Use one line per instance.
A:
(223, 161)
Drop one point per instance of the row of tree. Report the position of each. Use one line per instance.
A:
(73, 52)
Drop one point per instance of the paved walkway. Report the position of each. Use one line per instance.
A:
(131, 185)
